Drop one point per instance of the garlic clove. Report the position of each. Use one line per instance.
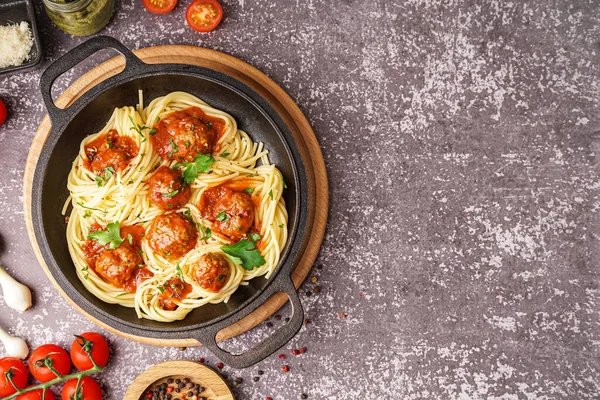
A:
(14, 346)
(16, 295)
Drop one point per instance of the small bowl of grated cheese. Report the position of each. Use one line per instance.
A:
(19, 42)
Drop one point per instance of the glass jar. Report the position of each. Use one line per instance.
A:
(80, 17)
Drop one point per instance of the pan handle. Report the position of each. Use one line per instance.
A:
(74, 57)
(207, 336)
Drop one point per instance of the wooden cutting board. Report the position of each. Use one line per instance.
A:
(283, 104)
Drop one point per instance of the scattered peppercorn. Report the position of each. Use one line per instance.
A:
(287, 319)
(239, 380)
(295, 352)
(317, 289)
(303, 350)
(281, 356)
(170, 380)
(269, 398)
(220, 365)
(201, 360)
(182, 348)
(313, 279)
(308, 293)
(260, 372)
(285, 368)
(319, 267)
(304, 396)
(256, 379)
(277, 317)
(269, 325)
(306, 321)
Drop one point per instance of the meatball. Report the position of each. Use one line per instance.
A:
(167, 190)
(110, 150)
(182, 135)
(174, 290)
(120, 265)
(211, 272)
(231, 212)
(172, 235)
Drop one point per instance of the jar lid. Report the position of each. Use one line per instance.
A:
(67, 5)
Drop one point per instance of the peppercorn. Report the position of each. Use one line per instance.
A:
(308, 294)
(256, 379)
(295, 352)
(269, 398)
(186, 380)
(269, 325)
(281, 356)
(278, 317)
(239, 380)
(304, 396)
(149, 395)
(303, 350)
(285, 368)
(182, 348)
(306, 321)
(169, 389)
(170, 380)
(201, 360)
(260, 372)
(317, 289)
(220, 365)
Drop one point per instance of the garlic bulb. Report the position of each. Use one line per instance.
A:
(16, 295)
(14, 346)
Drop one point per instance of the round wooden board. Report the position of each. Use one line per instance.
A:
(285, 106)
(215, 387)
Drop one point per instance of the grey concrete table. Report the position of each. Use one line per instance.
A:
(461, 138)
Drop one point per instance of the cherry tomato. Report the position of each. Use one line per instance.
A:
(93, 342)
(17, 369)
(2, 112)
(204, 15)
(88, 390)
(36, 395)
(49, 354)
(159, 6)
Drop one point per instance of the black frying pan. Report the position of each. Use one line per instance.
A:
(88, 114)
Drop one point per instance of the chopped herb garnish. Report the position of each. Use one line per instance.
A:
(249, 190)
(161, 288)
(121, 294)
(254, 237)
(99, 180)
(173, 144)
(87, 214)
(110, 236)
(209, 124)
(271, 194)
(130, 182)
(201, 163)
(224, 154)
(222, 217)
(244, 253)
(157, 118)
(138, 128)
(179, 272)
(281, 226)
(91, 208)
(108, 172)
(187, 143)
(152, 132)
(130, 239)
(284, 185)
(206, 232)
(171, 194)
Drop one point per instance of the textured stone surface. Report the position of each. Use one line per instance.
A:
(461, 140)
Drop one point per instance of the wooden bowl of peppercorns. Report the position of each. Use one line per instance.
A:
(179, 380)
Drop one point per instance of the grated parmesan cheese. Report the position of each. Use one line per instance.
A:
(16, 42)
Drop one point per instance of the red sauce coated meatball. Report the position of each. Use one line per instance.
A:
(174, 291)
(172, 235)
(167, 190)
(119, 266)
(182, 135)
(211, 272)
(231, 212)
(110, 150)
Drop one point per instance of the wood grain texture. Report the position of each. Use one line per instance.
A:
(307, 143)
(215, 387)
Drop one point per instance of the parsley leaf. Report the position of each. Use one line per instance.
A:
(99, 180)
(138, 128)
(201, 163)
(152, 132)
(157, 118)
(284, 185)
(254, 237)
(209, 124)
(224, 154)
(130, 239)
(271, 194)
(173, 144)
(244, 253)
(91, 208)
(108, 172)
(110, 236)
(249, 190)
(206, 232)
(281, 226)
(222, 217)
(172, 194)
(161, 288)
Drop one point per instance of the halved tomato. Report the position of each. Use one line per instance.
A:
(159, 6)
(204, 15)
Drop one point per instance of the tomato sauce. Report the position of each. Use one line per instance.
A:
(109, 150)
(231, 212)
(140, 276)
(175, 290)
(182, 135)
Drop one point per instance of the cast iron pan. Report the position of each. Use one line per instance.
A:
(89, 114)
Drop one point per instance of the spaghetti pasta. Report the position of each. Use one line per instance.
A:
(147, 172)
